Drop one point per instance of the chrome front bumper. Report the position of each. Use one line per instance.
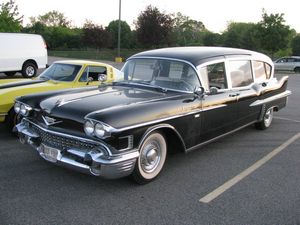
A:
(98, 161)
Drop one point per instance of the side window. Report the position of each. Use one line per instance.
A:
(92, 72)
(214, 75)
(260, 71)
(240, 73)
(268, 70)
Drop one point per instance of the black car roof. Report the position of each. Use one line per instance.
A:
(194, 55)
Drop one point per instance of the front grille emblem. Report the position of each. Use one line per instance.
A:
(50, 121)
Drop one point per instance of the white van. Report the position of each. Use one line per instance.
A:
(23, 53)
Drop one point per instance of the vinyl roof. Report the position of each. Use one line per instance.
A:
(194, 55)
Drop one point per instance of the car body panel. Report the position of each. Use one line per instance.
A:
(130, 111)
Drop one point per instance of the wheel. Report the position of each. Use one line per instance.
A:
(297, 70)
(152, 157)
(266, 121)
(12, 119)
(10, 74)
(29, 70)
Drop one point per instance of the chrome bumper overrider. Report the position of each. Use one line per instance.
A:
(98, 161)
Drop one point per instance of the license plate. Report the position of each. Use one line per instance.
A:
(50, 153)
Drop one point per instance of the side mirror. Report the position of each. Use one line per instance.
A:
(102, 78)
(199, 91)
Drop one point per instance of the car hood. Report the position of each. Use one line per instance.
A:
(10, 83)
(106, 105)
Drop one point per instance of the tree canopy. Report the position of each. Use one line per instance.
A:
(10, 19)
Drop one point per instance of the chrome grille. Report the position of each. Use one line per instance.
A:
(62, 142)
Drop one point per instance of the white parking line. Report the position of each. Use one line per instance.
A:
(218, 191)
(291, 120)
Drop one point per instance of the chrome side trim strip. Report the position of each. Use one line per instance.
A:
(272, 98)
(167, 118)
(3, 114)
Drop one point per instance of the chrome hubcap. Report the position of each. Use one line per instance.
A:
(150, 157)
(30, 71)
(268, 117)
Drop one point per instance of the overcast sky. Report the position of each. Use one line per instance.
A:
(215, 14)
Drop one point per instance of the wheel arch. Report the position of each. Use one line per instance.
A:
(30, 61)
(174, 140)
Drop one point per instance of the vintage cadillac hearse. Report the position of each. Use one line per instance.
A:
(169, 99)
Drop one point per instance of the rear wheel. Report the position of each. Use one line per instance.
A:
(10, 74)
(266, 121)
(29, 70)
(152, 157)
(297, 70)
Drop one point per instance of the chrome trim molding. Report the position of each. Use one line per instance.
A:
(270, 99)
(3, 114)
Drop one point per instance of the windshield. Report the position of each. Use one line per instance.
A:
(167, 74)
(60, 72)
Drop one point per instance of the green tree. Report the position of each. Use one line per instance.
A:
(10, 19)
(95, 36)
(212, 39)
(126, 35)
(187, 31)
(273, 34)
(154, 28)
(52, 19)
(241, 35)
(296, 45)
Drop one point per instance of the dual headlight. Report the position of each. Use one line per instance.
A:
(97, 129)
(22, 109)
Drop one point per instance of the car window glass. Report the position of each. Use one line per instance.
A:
(240, 73)
(161, 72)
(259, 71)
(268, 69)
(214, 75)
(92, 72)
(61, 72)
(290, 60)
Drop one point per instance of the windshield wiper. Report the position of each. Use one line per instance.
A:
(140, 83)
(162, 89)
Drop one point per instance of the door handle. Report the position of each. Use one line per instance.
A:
(234, 95)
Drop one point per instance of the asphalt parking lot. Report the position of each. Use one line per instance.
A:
(250, 177)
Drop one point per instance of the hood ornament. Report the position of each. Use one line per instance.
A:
(50, 121)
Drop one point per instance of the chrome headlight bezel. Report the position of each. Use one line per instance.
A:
(22, 109)
(89, 128)
(17, 107)
(97, 129)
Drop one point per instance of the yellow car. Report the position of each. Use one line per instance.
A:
(60, 75)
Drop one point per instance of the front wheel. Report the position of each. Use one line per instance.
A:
(152, 157)
(29, 70)
(266, 121)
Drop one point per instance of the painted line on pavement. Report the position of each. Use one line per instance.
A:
(287, 119)
(220, 190)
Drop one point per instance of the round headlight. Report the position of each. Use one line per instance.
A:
(17, 107)
(89, 128)
(99, 130)
(23, 110)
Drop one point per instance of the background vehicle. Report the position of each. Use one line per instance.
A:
(23, 53)
(60, 75)
(290, 63)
